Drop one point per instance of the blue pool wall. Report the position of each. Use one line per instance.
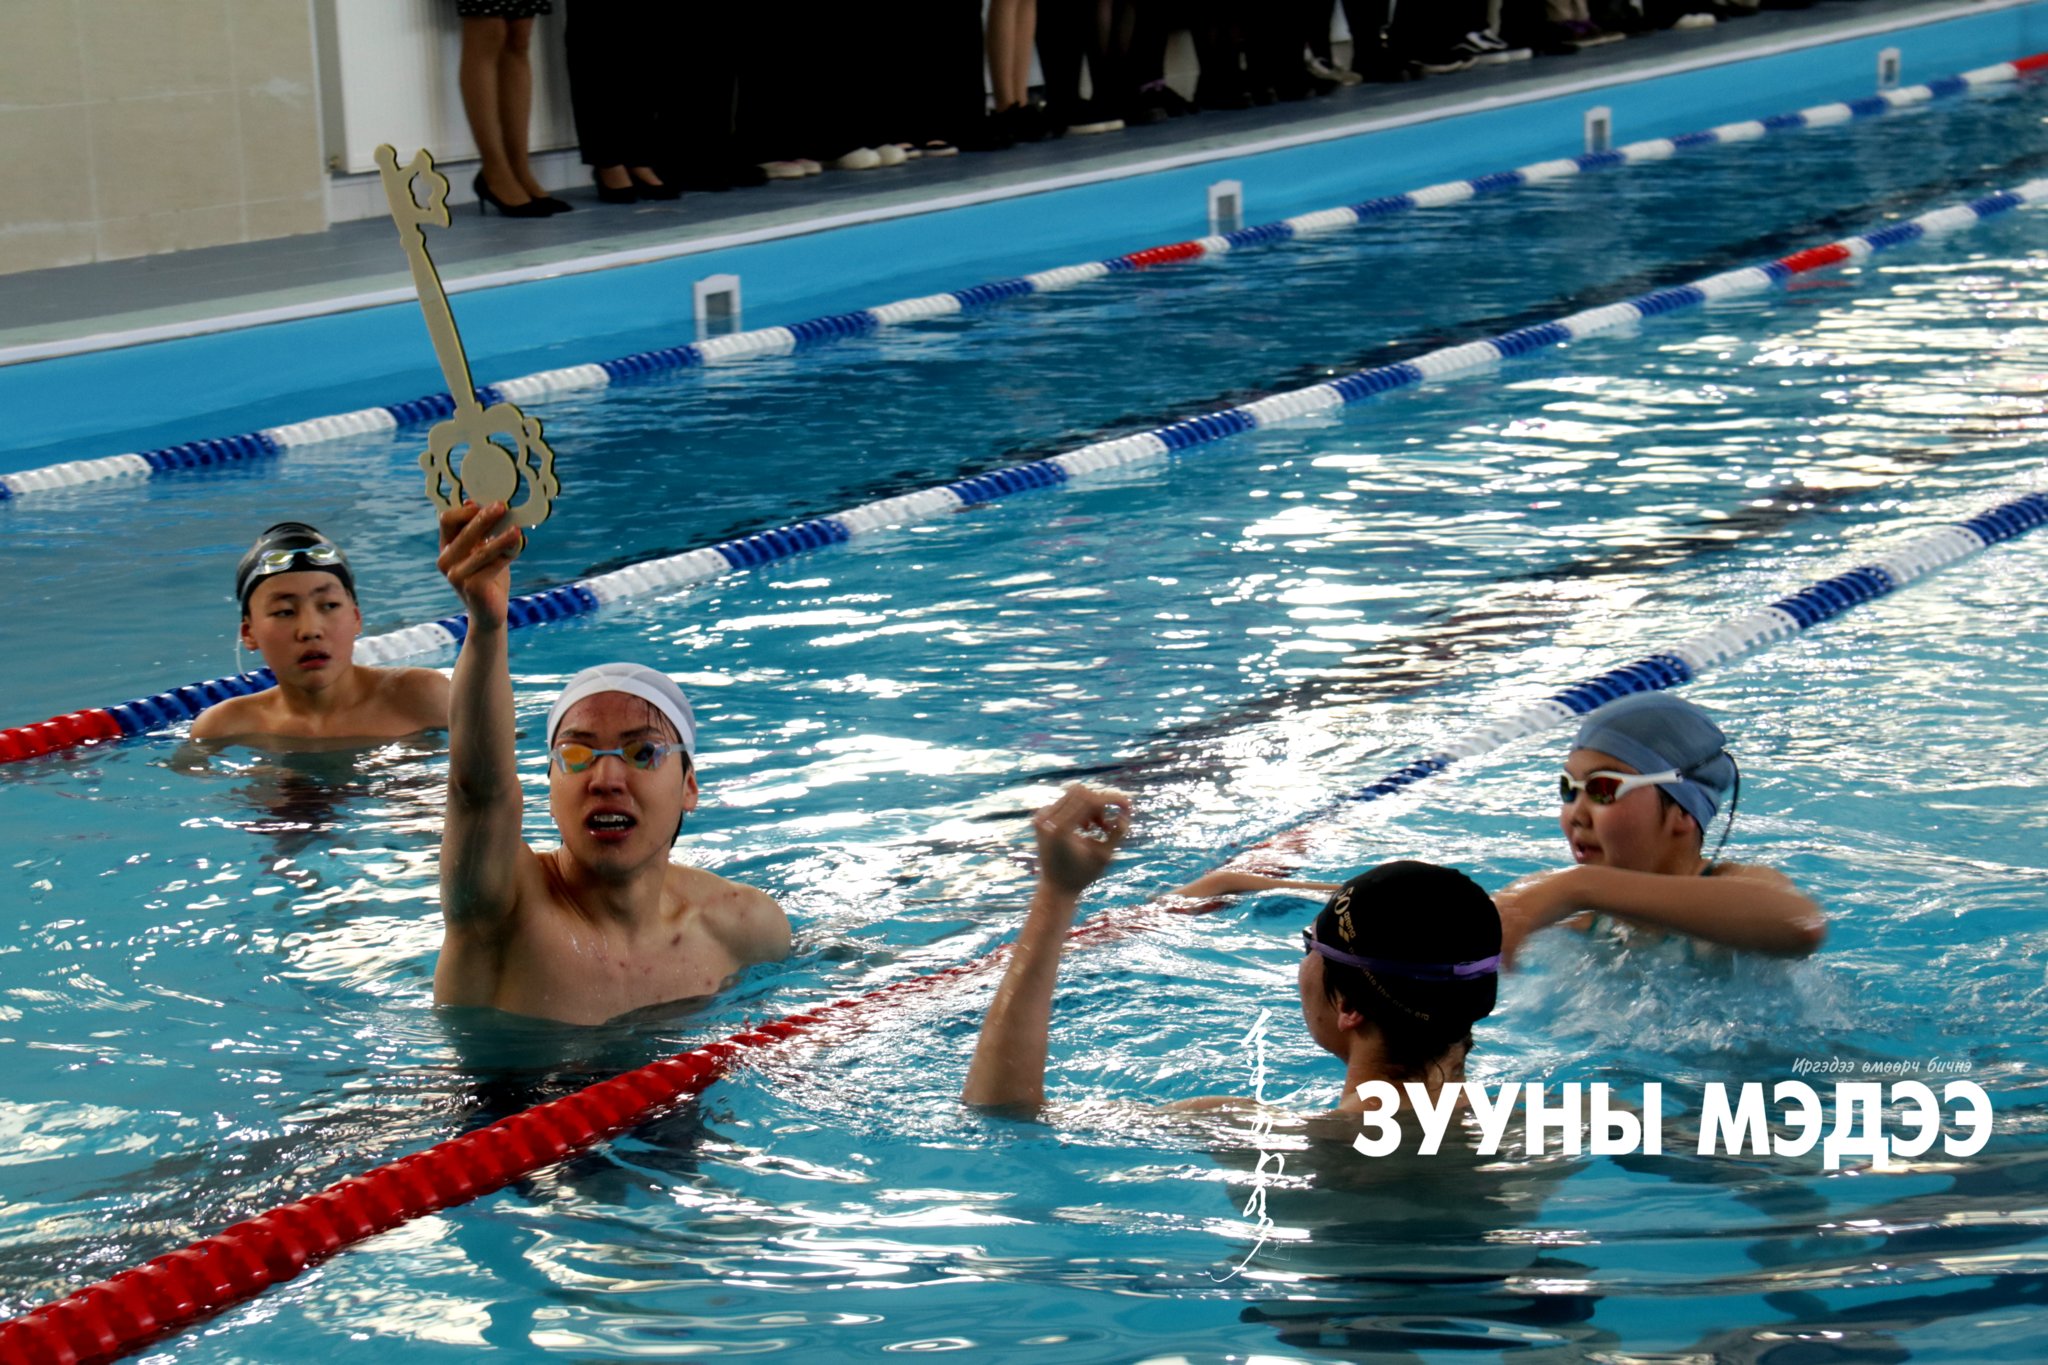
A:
(137, 397)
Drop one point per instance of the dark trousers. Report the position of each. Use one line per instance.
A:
(804, 74)
(622, 79)
(930, 79)
(1097, 32)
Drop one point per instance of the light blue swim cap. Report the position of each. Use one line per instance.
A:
(1653, 731)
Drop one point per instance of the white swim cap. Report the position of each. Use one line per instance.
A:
(637, 680)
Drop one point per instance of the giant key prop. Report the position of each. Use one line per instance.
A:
(465, 455)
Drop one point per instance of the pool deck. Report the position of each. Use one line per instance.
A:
(352, 265)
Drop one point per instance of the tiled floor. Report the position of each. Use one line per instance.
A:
(39, 308)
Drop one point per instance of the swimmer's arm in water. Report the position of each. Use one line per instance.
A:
(1078, 836)
(1227, 883)
(485, 865)
(1754, 909)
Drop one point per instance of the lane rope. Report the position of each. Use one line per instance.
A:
(180, 704)
(776, 341)
(130, 1309)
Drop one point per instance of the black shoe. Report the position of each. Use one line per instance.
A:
(532, 208)
(1031, 123)
(1223, 97)
(664, 190)
(625, 194)
(1144, 109)
(989, 134)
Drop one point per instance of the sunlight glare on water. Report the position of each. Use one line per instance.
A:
(216, 995)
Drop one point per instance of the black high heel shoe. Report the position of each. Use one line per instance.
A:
(532, 208)
(625, 194)
(650, 190)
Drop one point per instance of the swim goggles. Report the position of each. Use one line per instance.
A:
(1414, 971)
(321, 555)
(644, 754)
(1606, 788)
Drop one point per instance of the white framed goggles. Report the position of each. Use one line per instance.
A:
(320, 554)
(1605, 787)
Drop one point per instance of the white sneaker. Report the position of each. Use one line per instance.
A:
(1695, 20)
(887, 154)
(808, 166)
(1488, 49)
(782, 170)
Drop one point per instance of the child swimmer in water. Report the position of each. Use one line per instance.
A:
(299, 612)
(1399, 965)
(1645, 777)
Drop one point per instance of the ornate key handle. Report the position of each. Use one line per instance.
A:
(463, 458)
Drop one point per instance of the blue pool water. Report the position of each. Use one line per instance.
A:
(215, 992)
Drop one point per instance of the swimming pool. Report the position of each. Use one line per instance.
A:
(217, 997)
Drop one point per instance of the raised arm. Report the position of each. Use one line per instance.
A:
(1078, 836)
(1755, 909)
(482, 856)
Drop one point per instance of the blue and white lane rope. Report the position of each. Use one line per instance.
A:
(1782, 619)
(768, 341)
(1675, 665)
(702, 565)
(1683, 662)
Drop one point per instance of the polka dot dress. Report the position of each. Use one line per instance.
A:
(503, 9)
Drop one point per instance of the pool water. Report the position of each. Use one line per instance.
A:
(216, 994)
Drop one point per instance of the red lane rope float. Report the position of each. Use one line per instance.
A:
(135, 1307)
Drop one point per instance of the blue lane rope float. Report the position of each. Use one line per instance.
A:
(128, 1310)
(778, 543)
(775, 341)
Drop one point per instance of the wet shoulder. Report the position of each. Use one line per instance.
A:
(746, 919)
(416, 698)
(248, 715)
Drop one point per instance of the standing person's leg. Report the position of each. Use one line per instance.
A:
(601, 109)
(1061, 41)
(1023, 41)
(1002, 28)
(1109, 66)
(483, 46)
(515, 102)
(1371, 42)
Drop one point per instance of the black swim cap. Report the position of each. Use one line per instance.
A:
(1428, 932)
(290, 547)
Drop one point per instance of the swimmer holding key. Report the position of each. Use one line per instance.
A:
(605, 924)
(299, 612)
